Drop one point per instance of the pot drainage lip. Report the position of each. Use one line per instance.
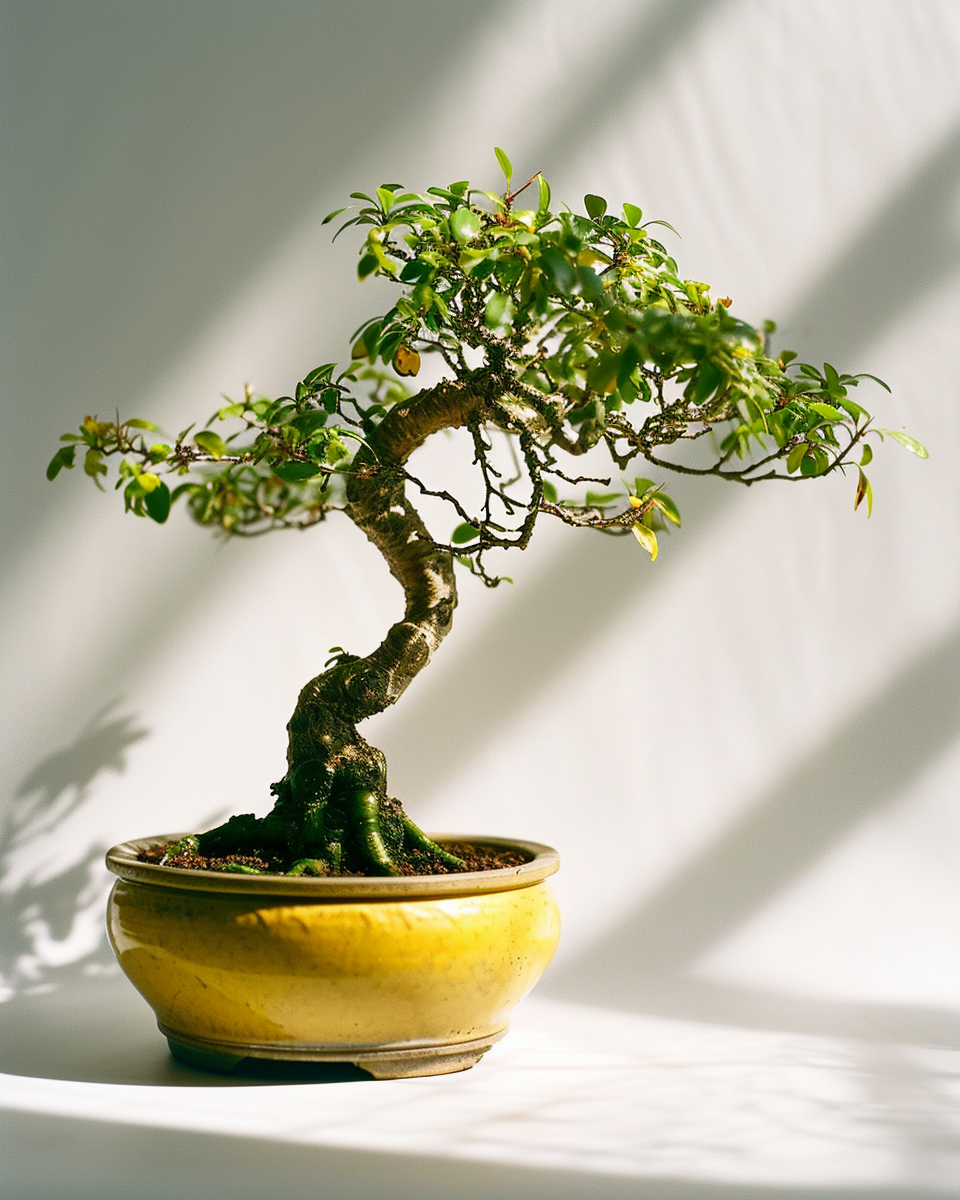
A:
(543, 861)
(402, 1060)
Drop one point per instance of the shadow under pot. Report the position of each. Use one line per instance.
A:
(415, 975)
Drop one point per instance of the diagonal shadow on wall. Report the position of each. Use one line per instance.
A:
(158, 155)
(865, 765)
(546, 616)
(909, 248)
(634, 56)
(191, 578)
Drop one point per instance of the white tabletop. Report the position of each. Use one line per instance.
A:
(577, 1100)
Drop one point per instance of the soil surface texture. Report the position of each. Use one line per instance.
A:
(475, 858)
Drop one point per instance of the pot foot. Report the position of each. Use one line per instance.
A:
(387, 1062)
(206, 1060)
(411, 1064)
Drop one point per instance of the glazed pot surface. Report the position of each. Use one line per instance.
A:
(408, 975)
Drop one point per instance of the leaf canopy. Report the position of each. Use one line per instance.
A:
(586, 334)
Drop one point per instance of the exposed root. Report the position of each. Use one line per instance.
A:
(339, 832)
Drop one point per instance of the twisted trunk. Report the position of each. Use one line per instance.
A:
(332, 811)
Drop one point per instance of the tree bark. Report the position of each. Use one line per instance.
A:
(332, 807)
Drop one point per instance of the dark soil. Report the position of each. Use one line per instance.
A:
(476, 858)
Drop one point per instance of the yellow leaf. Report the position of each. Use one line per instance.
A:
(636, 502)
(406, 361)
(647, 539)
(864, 489)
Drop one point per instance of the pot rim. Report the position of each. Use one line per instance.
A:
(544, 861)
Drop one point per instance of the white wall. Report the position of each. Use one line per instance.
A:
(765, 724)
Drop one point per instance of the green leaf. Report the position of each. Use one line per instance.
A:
(157, 503)
(366, 266)
(558, 268)
(667, 507)
(137, 423)
(851, 407)
(295, 472)
(499, 310)
(667, 225)
(907, 442)
(796, 455)
(875, 378)
(385, 196)
(346, 225)
(465, 224)
(416, 270)
(633, 214)
(867, 457)
(92, 465)
(307, 424)
(827, 411)
(647, 539)
(708, 380)
(602, 375)
(808, 464)
(211, 443)
(329, 217)
(463, 533)
(596, 205)
(544, 195)
(319, 374)
(63, 458)
(505, 165)
(549, 492)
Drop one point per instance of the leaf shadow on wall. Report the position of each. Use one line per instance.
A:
(52, 926)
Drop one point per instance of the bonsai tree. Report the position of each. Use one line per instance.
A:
(559, 334)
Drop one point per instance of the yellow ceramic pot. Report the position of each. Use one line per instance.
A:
(415, 975)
